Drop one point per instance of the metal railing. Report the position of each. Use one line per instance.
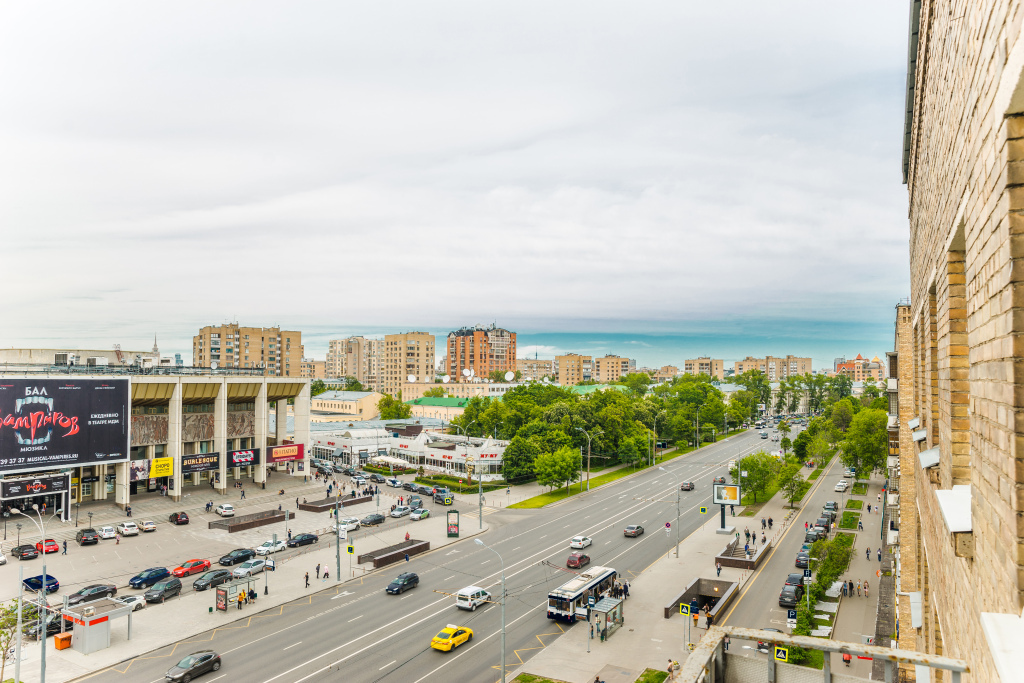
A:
(40, 369)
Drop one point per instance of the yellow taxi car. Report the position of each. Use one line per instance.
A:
(451, 637)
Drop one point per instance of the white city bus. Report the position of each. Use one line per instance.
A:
(569, 601)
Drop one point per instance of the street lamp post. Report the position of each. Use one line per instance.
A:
(655, 438)
(90, 520)
(479, 475)
(596, 432)
(19, 532)
(479, 542)
(677, 514)
(41, 526)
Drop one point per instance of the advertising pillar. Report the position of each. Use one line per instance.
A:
(220, 435)
(301, 419)
(260, 419)
(174, 448)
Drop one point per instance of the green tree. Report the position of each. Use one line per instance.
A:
(880, 403)
(784, 428)
(393, 408)
(316, 387)
(638, 382)
(790, 482)
(840, 386)
(8, 631)
(760, 468)
(786, 445)
(820, 448)
(800, 445)
(842, 414)
(867, 441)
(517, 462)
(558, 468)
(435, 392)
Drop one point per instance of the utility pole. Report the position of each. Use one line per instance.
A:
(677, 513)
(581, 429)
(337, 542)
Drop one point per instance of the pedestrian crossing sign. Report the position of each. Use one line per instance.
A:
(781, 654)
(703, 510)
(351, 550)
(684, 609)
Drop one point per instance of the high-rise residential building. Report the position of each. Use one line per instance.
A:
(961, 487)
(747, 364)
(357, 357)
(713, 367)
(535, 368)
(312, 369)
(403, 355)
(610, 368)
(481, 349)
(775, 368)
(278, 352)
(572, 368)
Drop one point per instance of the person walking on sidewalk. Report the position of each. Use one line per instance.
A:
(851, 588)
(746, 532)
(764, 524)
(718, 566)
(128, 510)
(241, 598)
(805, 526)
(117, 539)
(844, 589)
(769, 524)
(865, 588)
(867, 553)
(879, 553)
(307, 579)
(625, 588)
(65, 548)
(695, 615)
(318, 570)
(858, 587)
(869, 508)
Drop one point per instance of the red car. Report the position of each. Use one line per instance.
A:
(577, 560)
(178, 518)
(47, 546)
(191, 567)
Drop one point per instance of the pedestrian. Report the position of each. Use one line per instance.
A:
(695, 615)
(128, 509)
(851, 588)
(278, 507)
(746, 532)
(867, 553)
(65, 547)
(764, 539)
(718, 568)
(289, 534)
(879, 498)
(732, 510)
(725, 642)
(764, 524)
(307, 573)
(805, 526)
(710, 619)
(860, 525)
(869, 508)
(625, 587)
(879, 554)
(769, 524)
(241, 598)
(844, 589)
(746, 549)
(327, 574)
(296, 503)
(865, 588)
(858, 587)
(117, 539)
(318, 570)
(671, 671)
(243, 494)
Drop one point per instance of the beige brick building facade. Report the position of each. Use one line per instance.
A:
(411, 353)
(312, 369)
(278, 351)
(610, 368)
(535, 368)
(482, 350)
(572, 368)
(714, 367)
(962, 538)
(747, 364)
(357, 357)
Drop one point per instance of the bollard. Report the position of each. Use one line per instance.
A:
(211, 610)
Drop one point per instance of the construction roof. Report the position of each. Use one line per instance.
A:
(439, 402)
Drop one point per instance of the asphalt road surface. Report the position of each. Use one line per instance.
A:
(357, 629)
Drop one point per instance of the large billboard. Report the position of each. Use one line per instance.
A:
(50, 423)
(244, 458)
(201, 462)
(285, 453)
(39, 486)
(726, 494)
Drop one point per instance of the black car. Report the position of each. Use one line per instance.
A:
(415, 502)
(803, 560)
(302, 539)
(829, 515)
(93, 592)
(53, 624)
(325, 470)
(377, 478)
(25, 552)
(237, 557)
(349, 472)
(811, 536)
(444, 498)
(212, 578)
(87, 537)
(371, 520)
(796, 579)
(789, 597)
(148, 577)
(338, 469)
(35, 583)
(163, 590)
(403, 583)
(823, 522)
(196, 664)
(425, 490)
(687, 486)
(409, 486)
(178, 518)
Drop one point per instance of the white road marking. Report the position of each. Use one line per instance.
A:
(341, 595)
(386, 665)
(359, 617)
(450, 577)
(290, 647)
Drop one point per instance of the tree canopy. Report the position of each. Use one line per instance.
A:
(393, 408)
(867, 441)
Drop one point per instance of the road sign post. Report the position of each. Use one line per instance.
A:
(807, 586)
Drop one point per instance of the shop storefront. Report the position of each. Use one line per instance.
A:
(50, 493)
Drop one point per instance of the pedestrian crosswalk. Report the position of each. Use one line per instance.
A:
(473, 513)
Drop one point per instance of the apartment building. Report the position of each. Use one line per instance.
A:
(713, 367)
(778, 369)
(411, 353)
(345, 405)
(357, 357)
(961, 486)
(666, 373)
(481, 349)
(278, 352)
(312, 369)
(747, 364)
(532, 368)
(610, 368)
(860, 368)
(572, 368)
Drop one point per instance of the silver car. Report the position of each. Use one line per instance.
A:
(401, 511)
(249, 568)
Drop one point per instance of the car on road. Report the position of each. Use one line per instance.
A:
(828, 515)
(377, 478)
(418, 514)
(401, 511)
(136, 602)
(87, 537)
(687, 486)
(764, 435)
(107, 532)
(147, 577)
(161, 590)
(831, 505)
(409, 486)
(842, 485)
(268, 547)
(850, 472)
(148, 525)
(451, 637)
(93, 592)
(444, 498)
(788, 597)
(372, 520)
(348, 523)
(765, 646)
(414, 502)
(811, 536)
(425, 490)
(338, 469)
(395, 483)
(580, 542)
(249, 568)
(719, 480)
(178, 518)
(24, 552)
(237, 556)
(348, 471)
(803, 560)
(196, 664)
(128, 529)
(633, 530)
(471, 597)
(225, 510)
(403, 583)
(577, 560)
(822, 524)
(211, 579)
(303, 539)
(47, 546)
(796, 579)
(190, 567)
(359, 481)
(35, 583)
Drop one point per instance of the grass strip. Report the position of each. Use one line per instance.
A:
(814, 475)
(849, 520)
(652, 676)
(859, 489)
(855, 504)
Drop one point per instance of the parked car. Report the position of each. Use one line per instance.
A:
(136, 602)
(377, 478)
(303, 539)
(419, 513)
(633, 530)
(47, 546)
(580, 542)
(577, 560)
(425, 490)
(190, 567)
(148, 525)
(178, 518)
(3, 558)
(349, 523)
(24, 552)
(829, 515)
(403, 583)
(803, 560)
(35, 583)
(147, 577)
(788, 597)
(237, 557)
(211, 579)
(108, 532)
(414, 502)
(163, 590)
(822, 524)
(811, 536)
(93, 592)
(268, 547)
(52, 628)
(409, 486)
(372, 520)
(395, 483)
(796, 580)
(842, 485)
(87, 537)
(359, 481)
(196, 664)
(687, 486)
(831, 505)
(401, 511)
(128, 529)
(348, 471)
(249, 568)
(225, 510)
(444, 498)
(765, 646)
(338, 469)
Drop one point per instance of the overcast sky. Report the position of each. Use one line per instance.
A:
(582, 166)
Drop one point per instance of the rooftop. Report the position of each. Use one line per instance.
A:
(439, 402)
(343, 395)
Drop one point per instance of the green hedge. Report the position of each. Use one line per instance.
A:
(387, 470)
(453, 482)
(835, 559)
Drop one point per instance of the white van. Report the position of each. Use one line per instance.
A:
(470, 597)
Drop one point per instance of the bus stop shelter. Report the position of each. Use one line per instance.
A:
(609, 616)
(226, 595)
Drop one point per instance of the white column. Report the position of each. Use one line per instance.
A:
(260, 426)
(301, 417)
(220, 434)
(281, 421)
(121, 483)
(174, 447)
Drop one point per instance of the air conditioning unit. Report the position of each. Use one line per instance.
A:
(89, 611)
(96, 361)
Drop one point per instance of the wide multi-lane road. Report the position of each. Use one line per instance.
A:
(357, 629)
